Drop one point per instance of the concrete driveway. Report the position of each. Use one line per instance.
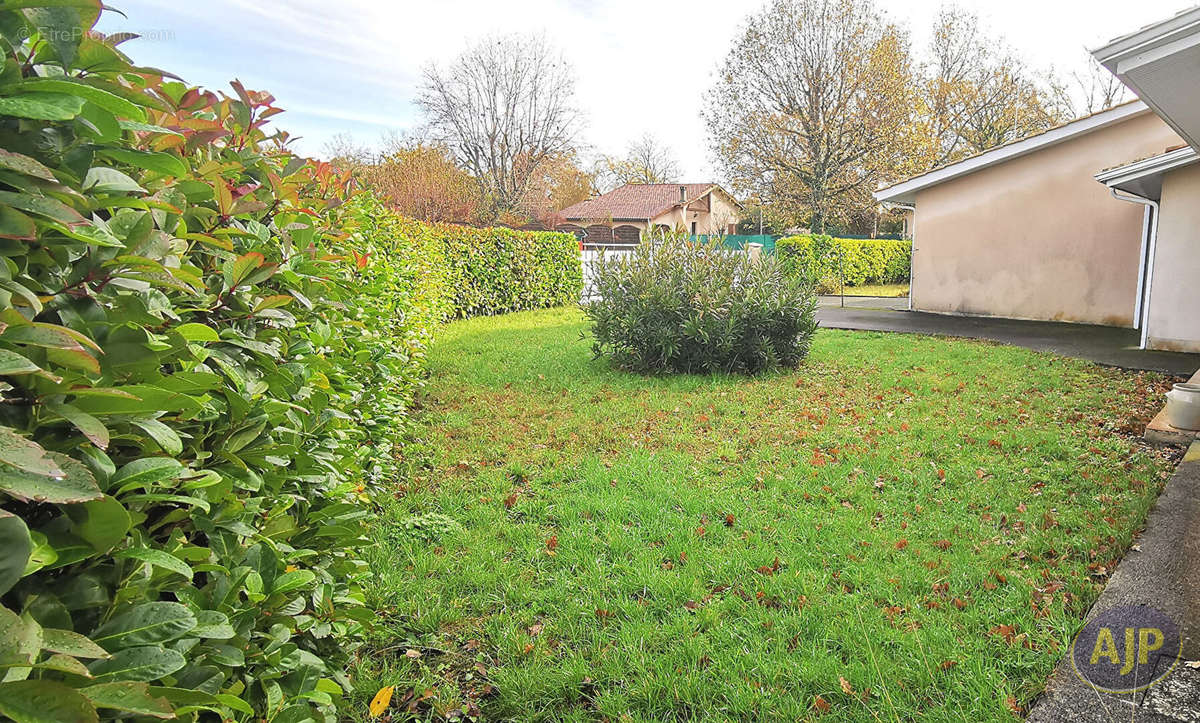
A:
(1107, 345)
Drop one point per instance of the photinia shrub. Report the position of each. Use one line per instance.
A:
(186, 383)
(673, 305)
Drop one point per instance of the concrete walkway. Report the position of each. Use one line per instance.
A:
(1107, 345)
(1162, 571)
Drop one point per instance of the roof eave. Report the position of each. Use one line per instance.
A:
(906, 191)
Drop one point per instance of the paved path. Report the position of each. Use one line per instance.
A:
(1162, 571)
(1107, 345)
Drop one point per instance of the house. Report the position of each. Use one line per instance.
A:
(1094, 221)
(621, 215)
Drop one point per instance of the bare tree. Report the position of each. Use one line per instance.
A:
(504, 107)
(1097, 89)
(646, 160)
(343, 150)
(813, 106)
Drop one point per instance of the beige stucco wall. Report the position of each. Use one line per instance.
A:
(715, 221)
(1174, 318)
(1037, 237)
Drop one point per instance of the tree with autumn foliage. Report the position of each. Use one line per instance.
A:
(814, 107)
(646, 160)
(979, 94)
(420, 180)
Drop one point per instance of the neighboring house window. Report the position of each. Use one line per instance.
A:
(627, 234)
(693, 228)
(598, 234)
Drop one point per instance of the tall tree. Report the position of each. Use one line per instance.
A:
(813, 106)
(504, 108)
(646, 160)
(978, 94)
(1097, 89)
(420, 180)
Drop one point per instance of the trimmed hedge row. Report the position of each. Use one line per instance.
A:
(862, 261)
(498, 270)
(186, 389)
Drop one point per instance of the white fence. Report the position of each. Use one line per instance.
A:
(590, 255)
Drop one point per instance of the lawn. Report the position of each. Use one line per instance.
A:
(904, 527)
(878, 290)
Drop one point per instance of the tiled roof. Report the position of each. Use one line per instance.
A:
(635, 201)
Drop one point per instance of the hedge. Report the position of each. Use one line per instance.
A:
(204, 362)
(862, 261)
(498, 270)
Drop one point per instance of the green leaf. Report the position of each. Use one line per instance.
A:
(44, 701)
(146, 472)
(163, 163)
(128, 697)
(166, 437)
(91, 427)
(20, 639)
(145, 624)
(16, 225)
(69, 642)
(213, 625)
(26, 455)
(292, 580)
(49, 336)
(43, 554)
(196, 332)
(109, 180)
(237, 270)
(157, 558)
(64, 664)
(42, 206)
(63, 27)
(74, 482)
(146, 128)
(22, 163)
(17, 547)
(41, 106)
(101, 523)
(143, 663)
(108, 101)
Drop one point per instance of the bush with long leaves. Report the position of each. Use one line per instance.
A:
(674, 305)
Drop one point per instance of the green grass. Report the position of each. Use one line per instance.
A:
(890, 290)
(926, 519)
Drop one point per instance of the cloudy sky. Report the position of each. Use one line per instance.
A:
(643, 65)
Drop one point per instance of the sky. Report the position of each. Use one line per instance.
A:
(642, 66)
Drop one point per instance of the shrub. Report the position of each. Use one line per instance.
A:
(861, 261)
(695, 307)
(189, 381)
(497, 270)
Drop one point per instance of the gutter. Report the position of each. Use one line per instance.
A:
(1146, 263)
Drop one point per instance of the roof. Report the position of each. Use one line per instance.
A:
(637, 201)
(1159, 63)
(1144, 177)
(906, 191)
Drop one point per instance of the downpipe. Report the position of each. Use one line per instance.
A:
(1146, 263)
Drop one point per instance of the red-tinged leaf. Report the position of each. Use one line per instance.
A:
(820, 705)
(729, 520)
(901, 543)
(942, 544)
(948, 664)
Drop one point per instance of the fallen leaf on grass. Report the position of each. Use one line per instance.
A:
(552, 545)
(846, 687)
(410, 653)
(729, 519)
(381, 700)
(1008, 632)
(821, 704)
(948, 664)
